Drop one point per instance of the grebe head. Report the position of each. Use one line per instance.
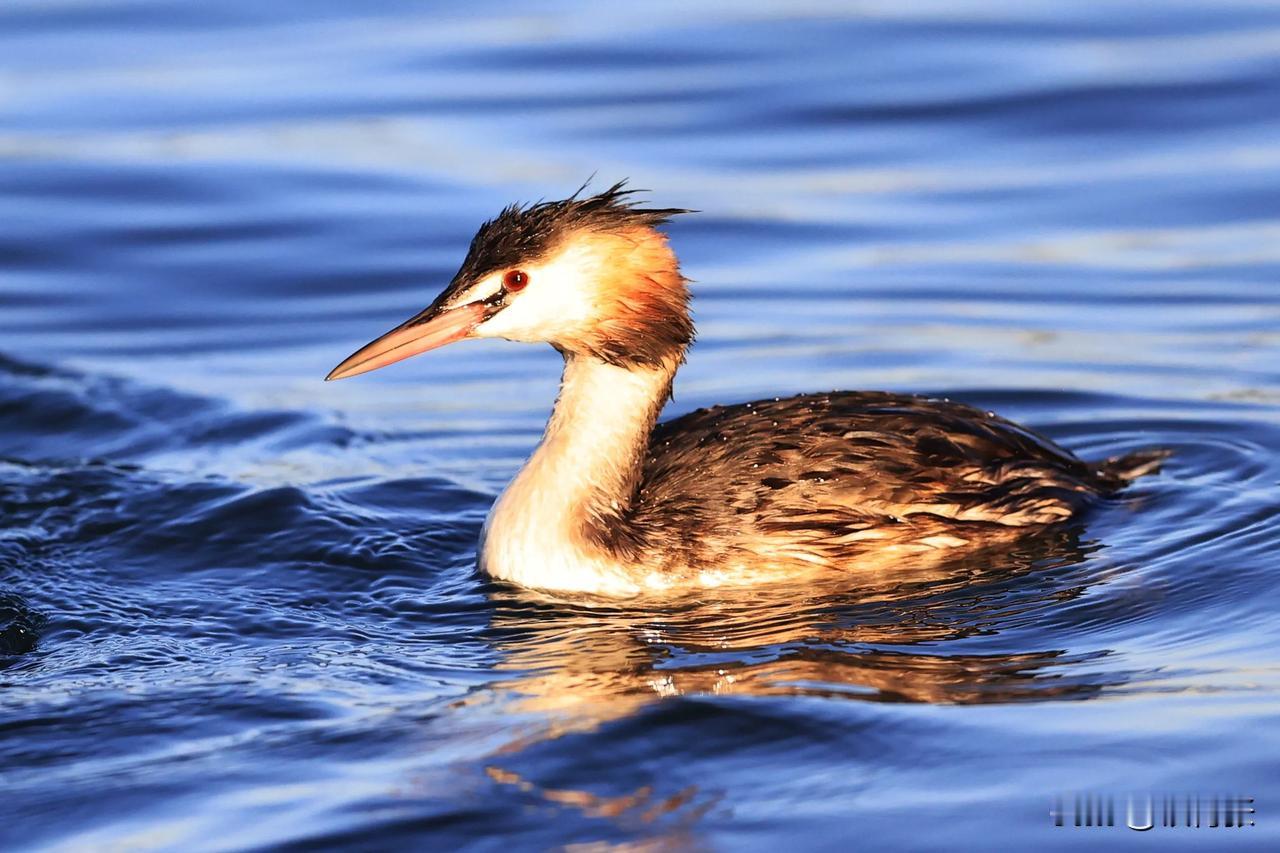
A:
(590, 276)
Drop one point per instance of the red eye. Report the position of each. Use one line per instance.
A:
(515, 280)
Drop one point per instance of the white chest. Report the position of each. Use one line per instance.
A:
(526, 546)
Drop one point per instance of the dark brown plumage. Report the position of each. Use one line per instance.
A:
(838, 475)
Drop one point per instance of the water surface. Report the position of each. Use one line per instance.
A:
(238, 606)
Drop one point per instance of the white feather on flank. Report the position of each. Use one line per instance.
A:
(531, 536)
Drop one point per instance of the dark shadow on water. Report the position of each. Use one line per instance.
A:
(19, 628)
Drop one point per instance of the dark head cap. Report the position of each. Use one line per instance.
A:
(526, 234)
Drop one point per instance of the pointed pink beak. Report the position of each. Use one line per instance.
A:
(429, 330)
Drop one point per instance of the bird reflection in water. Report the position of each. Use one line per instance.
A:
(910, 634)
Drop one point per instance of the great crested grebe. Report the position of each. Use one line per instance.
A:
(611, 504)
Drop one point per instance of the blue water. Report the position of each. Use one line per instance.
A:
(238, 606)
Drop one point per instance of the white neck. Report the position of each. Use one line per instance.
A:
(583, 474)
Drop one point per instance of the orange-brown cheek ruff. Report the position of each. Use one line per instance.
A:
(642, 302)
(427, 331)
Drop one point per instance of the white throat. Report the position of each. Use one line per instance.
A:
(585, 468)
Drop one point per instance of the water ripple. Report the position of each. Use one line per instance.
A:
(239, 603)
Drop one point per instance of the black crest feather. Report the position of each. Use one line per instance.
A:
(528, 233)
